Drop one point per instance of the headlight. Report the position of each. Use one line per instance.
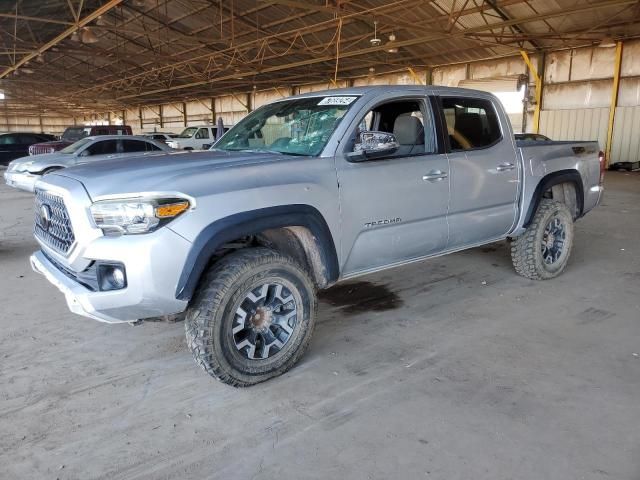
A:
(19, 166)
(130, 216)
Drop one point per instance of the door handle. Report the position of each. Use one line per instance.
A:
(503, 167)
(435, 176)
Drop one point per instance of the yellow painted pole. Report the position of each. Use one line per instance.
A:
(614, 101)
(415, 76)
(538, 81)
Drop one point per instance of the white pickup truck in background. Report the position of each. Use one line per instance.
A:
(195, 138)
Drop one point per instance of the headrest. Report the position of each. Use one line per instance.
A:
(408, 130)
(470, 126)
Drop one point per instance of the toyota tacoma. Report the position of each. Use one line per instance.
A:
(303, 193)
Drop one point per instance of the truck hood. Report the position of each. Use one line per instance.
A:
(158, 172)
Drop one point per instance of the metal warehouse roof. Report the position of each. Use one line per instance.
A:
(74, 55)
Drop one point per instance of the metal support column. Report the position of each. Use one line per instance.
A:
(184, 113)
(539, 86)
(614, 101)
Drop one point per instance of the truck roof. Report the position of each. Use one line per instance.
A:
(359, 91)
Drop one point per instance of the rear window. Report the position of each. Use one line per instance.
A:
(472, 123)
(73, 134)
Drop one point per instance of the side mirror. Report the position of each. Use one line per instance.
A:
(84, 153)
(371, 144)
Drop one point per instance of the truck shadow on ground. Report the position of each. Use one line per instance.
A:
(357, 297)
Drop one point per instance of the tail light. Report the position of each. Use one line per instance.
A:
(601, 158)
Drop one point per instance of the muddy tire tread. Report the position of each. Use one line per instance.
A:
(214, 285)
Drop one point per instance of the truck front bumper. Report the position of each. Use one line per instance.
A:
(152, 272)
(21, 180)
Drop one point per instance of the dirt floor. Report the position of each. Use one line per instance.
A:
(453, 368)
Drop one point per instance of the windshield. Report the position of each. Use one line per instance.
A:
(74, 147)
(293, 127)
(73, 134)
(187, 132)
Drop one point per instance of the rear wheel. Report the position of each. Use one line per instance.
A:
(252, 316)
(542, 252)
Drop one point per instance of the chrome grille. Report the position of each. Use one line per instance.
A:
(52, 223)
(39, 149)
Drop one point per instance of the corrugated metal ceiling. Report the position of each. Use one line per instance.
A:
(151, 51)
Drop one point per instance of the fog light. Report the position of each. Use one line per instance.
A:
(111, 277)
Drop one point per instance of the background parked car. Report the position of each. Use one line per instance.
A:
(24, 172)
(160, 136)
(16, 145)
(195, 138)
(73, 134)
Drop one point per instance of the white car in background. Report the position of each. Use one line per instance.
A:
(195, 138)
(24, 172)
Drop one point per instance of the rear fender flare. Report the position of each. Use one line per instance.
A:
(555, 178)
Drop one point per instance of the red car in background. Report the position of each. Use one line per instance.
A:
(73, 134)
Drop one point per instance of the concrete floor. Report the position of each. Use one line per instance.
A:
(454, 368)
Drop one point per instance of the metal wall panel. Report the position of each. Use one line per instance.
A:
(625, 146)
(503, 67)
(629, 93)
(576, 124)
(592, 63)
(318, 87)
(631, 58)
(591, 94)
(557, 67)
(449, 76)
(51, 125)
(261, 98)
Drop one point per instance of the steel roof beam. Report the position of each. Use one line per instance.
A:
(81, 23)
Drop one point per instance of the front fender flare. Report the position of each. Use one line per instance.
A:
(250, 223)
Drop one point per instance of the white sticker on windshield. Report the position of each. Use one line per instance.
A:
(337, 100)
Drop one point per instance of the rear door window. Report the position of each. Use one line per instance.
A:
(130, 146)
(472, 123)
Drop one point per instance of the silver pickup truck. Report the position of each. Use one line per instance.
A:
(301, 194)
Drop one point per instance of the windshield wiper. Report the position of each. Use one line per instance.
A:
(264, 150)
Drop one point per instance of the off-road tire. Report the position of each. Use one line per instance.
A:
(210, 315)
(526, 251)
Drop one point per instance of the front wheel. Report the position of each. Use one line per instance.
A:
(542, 252)
(252, 316)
